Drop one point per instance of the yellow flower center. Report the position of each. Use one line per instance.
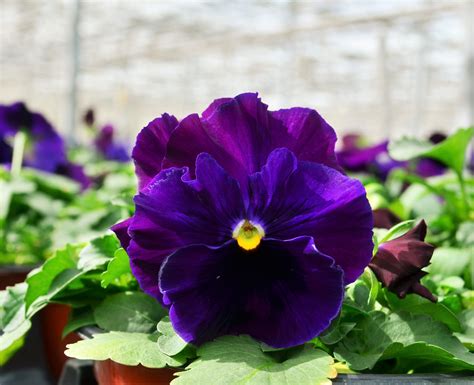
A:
(248, 234)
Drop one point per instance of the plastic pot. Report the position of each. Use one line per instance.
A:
(13, 274)
(111, 373)
(54, 318)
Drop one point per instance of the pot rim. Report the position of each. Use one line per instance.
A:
(86, 332)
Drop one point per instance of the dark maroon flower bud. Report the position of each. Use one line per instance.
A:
(384, 218)
(437, 137)
(398, 263)
(89, 117)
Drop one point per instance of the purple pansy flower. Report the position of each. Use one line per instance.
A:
(243, 223)
(106, 145)
(45, 149)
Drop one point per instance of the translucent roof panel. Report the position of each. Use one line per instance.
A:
(382, 68)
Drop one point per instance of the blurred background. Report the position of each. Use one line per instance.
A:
(388, 67)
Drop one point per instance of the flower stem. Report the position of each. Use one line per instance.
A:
(463, 193)
(18, 151)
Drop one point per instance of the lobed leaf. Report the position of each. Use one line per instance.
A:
(124, 348)
(133, 312)
(418, 338)
(239, 360)
(118, 269)
(169, 342)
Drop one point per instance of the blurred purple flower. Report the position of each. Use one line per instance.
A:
(105, 144)
(45, 149)
(372, 159)
(356, 157)
(398, 263)
(427, 167)
(246, 238)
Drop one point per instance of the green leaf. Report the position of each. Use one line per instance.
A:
(13, 322)
(232, 360)
(404, 335)
(371, 281)
(12, 340)
(336, 332)
(124, 348)
(118, 270)
(449, 261)
(79, 318)
(451, 152)
(53, 184)
(465, 234)
(415, 304)
(51, 278)
(129, 312)
(11, 300)
(8, 188)
(99, 252)
(407, 148)
(467, 335)
(397, 230)
(169, 342)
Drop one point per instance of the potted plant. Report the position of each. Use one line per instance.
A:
(45, 205)
(250, 258)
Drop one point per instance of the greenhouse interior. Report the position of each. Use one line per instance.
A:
(255, 192)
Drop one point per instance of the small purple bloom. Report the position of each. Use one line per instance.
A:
(237, 237)
(45, 149)
(398, 263)
(108, 148)
(372, 159)
(427, 167)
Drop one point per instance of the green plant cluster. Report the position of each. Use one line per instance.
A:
(376, 332)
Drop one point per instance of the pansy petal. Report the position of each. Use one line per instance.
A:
(235, 134)
(213, 106)
(312, 199)
(290, 199)
(121, 231)
(13, 117)
(6, 152)
(284, 293)
(307, 135)
(150, 147)
(174, 211)
(429, 167)
(240, 133)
